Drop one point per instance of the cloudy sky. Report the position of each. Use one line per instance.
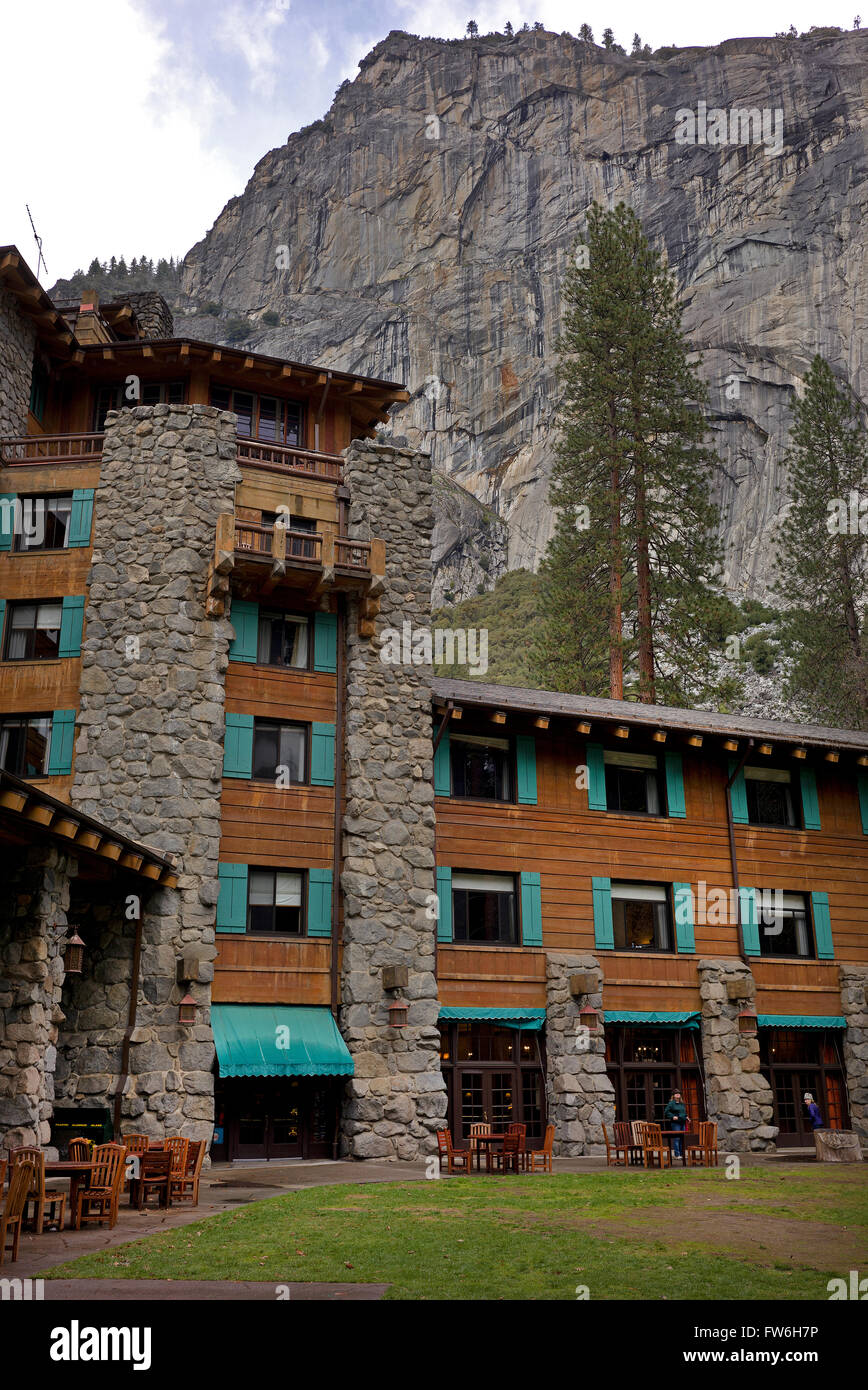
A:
(130, 123)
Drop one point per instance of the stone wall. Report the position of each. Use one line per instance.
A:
(33, 918)
(149, 753)
(854, 1007)
(153, 314)
(580, 1096)
(397, 1099)
(17, 342)
(738, 1096)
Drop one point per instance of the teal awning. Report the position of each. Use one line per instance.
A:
(801, 1021)
(647, 1018)
(278, 1040)
(528, 1020)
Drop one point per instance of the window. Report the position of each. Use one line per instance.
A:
(151, 393)
(784, 925)
(296, 544)
(769, 796)
(283, 640)
(632, 783)
(274, 902)
(44, 523)
(33, 631)
(640, 917)
(481, 767)
(280, 746)
(38, 391)
(261, 417)
(483, 907)
(24, 744)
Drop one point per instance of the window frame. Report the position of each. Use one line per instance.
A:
(666, 902)
(265, 723)
(27, 719)
(18, 548)
(9, 629)
(810, 929)
(284, 403)
(119, 401)
(795, 798)
(308, 621)
(274, 933)
(456, 741)
(610, 764)
(513, 893)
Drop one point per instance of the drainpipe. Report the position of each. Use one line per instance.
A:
(318, 420)
(437, 737)
(732, 854)
(131, 1023)
(337, 845)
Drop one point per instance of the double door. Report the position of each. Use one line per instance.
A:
(287, 1117)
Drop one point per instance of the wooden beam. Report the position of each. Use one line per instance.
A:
(731, 745)
(216, 355)
(695, 740)
(40, 815)
(108, 355)
(583, 726)
(88, 839)
(863, 761)
(12, 801)
(832, 756)
(765, 749)
(498, 717)
(111, 850)
(152, 871)
(800, 752)
(185, 349)
(66, 827)
(621, 731)
(541, 721)
(131, 861)
(659, 736)
(457, 712)
(249, 363)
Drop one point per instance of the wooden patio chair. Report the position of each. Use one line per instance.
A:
(178, 1148)
(43, 1198)
(457, 1160)
(506, 1158)
(3, 1163)
(704, 1151)
(478, 1127)
(186, 1188)
(155, 1176)
(80, 1150)
(653, 1144)
(135, 1143)
(521, 1131)
(21, 1180)
(540, 1160)
(98, 1200)
(617, 1154)
(625, 1139)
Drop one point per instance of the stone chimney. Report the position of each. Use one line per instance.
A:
(90, 327)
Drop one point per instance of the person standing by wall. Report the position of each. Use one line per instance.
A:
(675, 1115)
(813, 1111)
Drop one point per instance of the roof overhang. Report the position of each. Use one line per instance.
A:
(28, 814)
(16, 276)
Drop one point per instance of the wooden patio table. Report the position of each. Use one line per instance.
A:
(78, 1170)
(684, 1135)
(487, 1140)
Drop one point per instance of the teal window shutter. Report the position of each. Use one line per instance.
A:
(71, 626)
(675, 786)
(525, 761)
(238, 746)
(322, 755)
(232, 902)
(810, 800)
(7, 519)
(749, 922)
(863, 799)
(604, 931)
(442, 768)
(738, 796)
(81, 516)
(531, 910)
(683, 896)
(62, 741)
(822, 926)
(319, 902)
(244, 617)
(596, 778)
(325, 642)
(444, 902)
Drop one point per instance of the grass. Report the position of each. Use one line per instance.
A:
(507, 1238)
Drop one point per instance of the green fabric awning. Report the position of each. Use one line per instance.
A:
(278, 1040)
(657, 1019)
(801, 1021)
(528, 1020)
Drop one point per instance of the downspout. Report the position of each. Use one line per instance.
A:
(131, 1023)
(437, 737)
(318, 419)
(732, 854)
(337, 845)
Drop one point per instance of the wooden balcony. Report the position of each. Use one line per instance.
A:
(261, 559)
(51, 448)
(281, 458)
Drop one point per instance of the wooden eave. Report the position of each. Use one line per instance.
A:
(16, 276)
(27, 813)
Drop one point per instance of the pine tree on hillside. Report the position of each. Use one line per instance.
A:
(822, 557)
(629, 578)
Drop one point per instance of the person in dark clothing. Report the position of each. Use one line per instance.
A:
(675, 1115)
(813, 1111)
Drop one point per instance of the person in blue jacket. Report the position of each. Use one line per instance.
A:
(813, 1111)
(676, 1116)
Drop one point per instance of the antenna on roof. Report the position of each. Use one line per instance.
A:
(38, 239)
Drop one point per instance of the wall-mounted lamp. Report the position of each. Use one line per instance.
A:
(747, 1022)
(398, 1010)
(187, 1010)
(73, 956)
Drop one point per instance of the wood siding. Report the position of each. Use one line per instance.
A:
(251, 970)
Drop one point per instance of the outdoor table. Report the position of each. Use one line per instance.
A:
(77, 1170)
(487, 1140)
(684, 1135)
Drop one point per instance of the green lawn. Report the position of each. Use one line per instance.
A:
(777, 1233)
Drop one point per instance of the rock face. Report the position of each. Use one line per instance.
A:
(426, 224)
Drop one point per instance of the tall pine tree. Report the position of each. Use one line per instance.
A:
(822, 559)
(630, 576)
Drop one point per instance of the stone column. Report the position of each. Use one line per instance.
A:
(738, 1096)
(17, 343)
(854, 1007)
(397, 1098)
(149, 755)
(33, 908)
(580, 1096)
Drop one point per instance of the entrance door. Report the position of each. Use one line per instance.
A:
(791, 1115)
(487, 1097)
(265, 1119)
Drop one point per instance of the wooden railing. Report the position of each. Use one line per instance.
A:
(51, 448)
(254, 538)
(354, 555)
(285, 459)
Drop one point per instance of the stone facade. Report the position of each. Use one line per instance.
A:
(153, 313)
(854, 1007)
(738, 1096)
(580, 1096)
(33, 918)
(397, 1099)
(149, 754)
(17, 343)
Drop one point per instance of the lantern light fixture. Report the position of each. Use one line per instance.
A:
(187, 1010)
(747, 1022)
(73, 956)
(398, 1011)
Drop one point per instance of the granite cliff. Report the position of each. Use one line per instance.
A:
(421, 230)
